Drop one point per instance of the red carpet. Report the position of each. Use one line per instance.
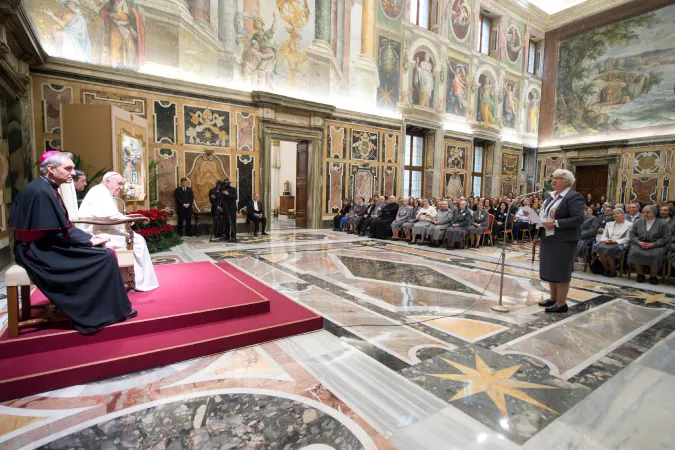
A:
(199, 309)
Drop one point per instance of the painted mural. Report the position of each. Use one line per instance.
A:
(510, 104)
(486, 101)
(457, 95)
(460, 20)
(617, 77)
(423, 80)
(514, 44)
(532, 111)
(388, 66)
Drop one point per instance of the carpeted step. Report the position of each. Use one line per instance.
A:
(189, 295)
(28, 374)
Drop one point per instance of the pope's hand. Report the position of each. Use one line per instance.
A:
(146, 220)
(98, 240)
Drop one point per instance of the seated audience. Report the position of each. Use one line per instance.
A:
(345, 220)
(425, 217)
(359, 210)
(589, 230)
(402, 216)
(408, 225)
(614, 239)
(536, 205)
(460, 223)
(381, 201)
(480, 222)
(633, 210)
(436, 231)
(520, 221)
(649, 238)
(589, 199)
(500, 220)
(668, 214)
(381, 226)
(343, 212)
(361, 220)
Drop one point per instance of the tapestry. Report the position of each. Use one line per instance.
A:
(203, 171)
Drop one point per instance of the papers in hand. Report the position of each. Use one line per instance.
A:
(532, 215)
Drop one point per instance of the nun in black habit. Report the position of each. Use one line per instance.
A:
(381, 227)
(67, 264)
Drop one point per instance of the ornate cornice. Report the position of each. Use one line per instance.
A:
(586, 9)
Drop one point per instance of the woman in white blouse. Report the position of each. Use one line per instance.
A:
(615, 237)
(425, 218)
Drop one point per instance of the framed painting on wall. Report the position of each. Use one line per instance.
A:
(132, 160)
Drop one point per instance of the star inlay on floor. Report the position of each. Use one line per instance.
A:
(495, 383)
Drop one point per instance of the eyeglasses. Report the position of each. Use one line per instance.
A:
(557, 178)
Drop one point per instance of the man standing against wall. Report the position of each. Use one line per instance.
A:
(184, 199)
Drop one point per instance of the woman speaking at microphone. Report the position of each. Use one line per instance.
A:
(561, 217)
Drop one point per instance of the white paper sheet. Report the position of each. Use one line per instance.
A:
(532, 215)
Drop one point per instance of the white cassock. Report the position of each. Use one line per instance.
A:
(100, 204)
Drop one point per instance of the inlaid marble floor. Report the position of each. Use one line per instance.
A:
(411, 356)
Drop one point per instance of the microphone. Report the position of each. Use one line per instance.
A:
(531, 193)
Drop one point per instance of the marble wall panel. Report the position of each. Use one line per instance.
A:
(337, 142)
(665, 190)
(245, 131)
(206, 126)
(510, 162)
(455, 155)
(52, 145)
(52, 97)
(428, 191)
(454, 185)
(429, 150)
(165, 122)
(362, 181)
(390, 148)
(646, 163)
(134, 105)
(203, 171)
(644, 190)
(364, 145)
(335, 186)
(245, 180)
(509, 186)
(668, 161)
(388, 180)
(167, 181)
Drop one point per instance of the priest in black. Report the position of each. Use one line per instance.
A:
(230, 208)
(256, 214)
(184, 200)
(73, 269)
(381, 227)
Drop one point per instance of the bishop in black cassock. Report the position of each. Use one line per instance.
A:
(83, 281)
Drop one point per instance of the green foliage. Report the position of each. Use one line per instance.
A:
(163, 242)
(153, 179)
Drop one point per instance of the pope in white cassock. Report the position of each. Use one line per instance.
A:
(100, 204)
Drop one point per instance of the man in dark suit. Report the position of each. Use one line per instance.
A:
(230, 208)
(256, 214)
(184, 200)
(561, 216)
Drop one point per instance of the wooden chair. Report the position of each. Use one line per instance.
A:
(529, 234)
(534, 248)
(488, 232)
(508, 231)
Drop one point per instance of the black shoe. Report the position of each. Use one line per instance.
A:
(234, 240)
(265, 234)
(612, 274)
(557, 309)
(654, 280)
(132, 314)
(255, 234)
(336, 229)
(606, 273)
(546, 303)
(641, 279)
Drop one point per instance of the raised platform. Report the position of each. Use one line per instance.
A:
(199, 309)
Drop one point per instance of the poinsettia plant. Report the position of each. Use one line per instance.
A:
(158, 233)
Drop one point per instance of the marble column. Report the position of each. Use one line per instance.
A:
(200, 10)
(322, 22)
(227, 9)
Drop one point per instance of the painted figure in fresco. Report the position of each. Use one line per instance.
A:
(486, 102)
(509, 107)
(456, 101)
(423, 81)
(532, 113)
(461, 16)
(259, 58)
(71, 33)
(513, 43)
(121, 35)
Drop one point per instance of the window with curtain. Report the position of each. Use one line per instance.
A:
(477, 169)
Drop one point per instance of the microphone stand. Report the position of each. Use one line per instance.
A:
(500, 307)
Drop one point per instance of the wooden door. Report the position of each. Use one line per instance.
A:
(592, 180)
(301, 179)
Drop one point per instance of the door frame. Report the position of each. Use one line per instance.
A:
(612, 163)
(270, 131)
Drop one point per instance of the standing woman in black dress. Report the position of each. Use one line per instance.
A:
(561, 215)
